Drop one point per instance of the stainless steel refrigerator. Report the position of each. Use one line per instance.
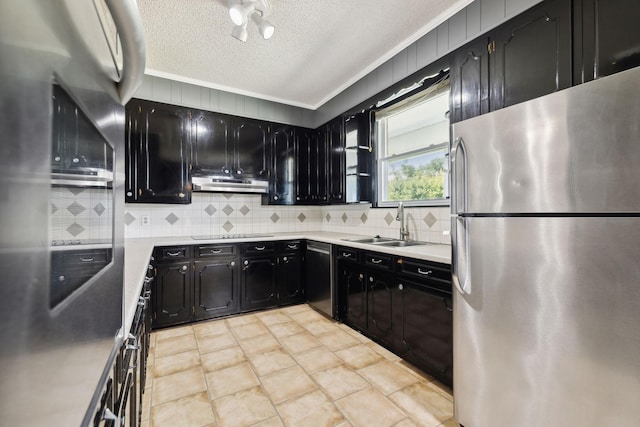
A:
(546, 260)
(62, 203)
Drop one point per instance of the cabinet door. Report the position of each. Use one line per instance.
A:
(251, 148)
(172, 294)
(258, 283)
(212, 140)
(290, 278)
(336, 161)
(531, 54)
(216, 288)
(318, 167)
(163, 162)
(303, 143)
(611, 36)
(282, 180)
(424, 328)
(469, 77)
(380, 307)
(359, 159)
(354, 288)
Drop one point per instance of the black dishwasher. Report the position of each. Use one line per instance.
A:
(319, 289)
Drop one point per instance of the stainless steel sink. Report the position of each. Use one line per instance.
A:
(402, 243)
(373, 240)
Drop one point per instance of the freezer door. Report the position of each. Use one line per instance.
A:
(546, 323)
(576, 150)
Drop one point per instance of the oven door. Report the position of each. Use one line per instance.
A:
(61, 308)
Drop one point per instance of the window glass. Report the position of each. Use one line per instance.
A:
(413, 145)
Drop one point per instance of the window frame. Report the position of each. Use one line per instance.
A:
(382, 159)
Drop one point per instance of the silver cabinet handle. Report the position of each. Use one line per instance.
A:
(148, 279)
(346, 255)
(259, 248)
(184, 268)
(232, 264)
(426, 273)
(87, 259)
(400, 286)
(110, 416)
(174, 253)
(126, 17)
(215, 251)
(246, 262)
(292, 246)
(376, 261)
(285, 259)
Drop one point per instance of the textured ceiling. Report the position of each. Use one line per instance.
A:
(319, 47)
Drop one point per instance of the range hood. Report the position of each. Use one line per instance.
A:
(225, 184)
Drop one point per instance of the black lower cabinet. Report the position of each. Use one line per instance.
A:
(172, 294)
(380, 307)
(216, 288)
(258, 283)
(402, 304)
(353, 282)
(423, 333)
(291, 286)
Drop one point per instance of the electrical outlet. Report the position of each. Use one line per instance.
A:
(145, 219)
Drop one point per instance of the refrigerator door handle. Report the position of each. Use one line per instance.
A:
(458, 145)
(457, 252)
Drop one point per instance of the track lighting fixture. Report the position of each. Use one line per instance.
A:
(241, 10)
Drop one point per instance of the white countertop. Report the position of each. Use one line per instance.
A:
(138, 251)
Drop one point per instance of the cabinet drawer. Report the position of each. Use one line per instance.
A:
(258, 248)
(347, 254)
(90, 258)
(290, 245)
(417, 268)
(215, 250)
(378, 260)
(173, 252)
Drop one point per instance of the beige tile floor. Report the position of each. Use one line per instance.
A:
(285, 367)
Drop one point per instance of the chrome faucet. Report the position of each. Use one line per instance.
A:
(404, 233)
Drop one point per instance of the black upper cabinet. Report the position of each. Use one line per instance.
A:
(469, 77)
(282, 182)
(159, 154)
(359, 158)
(76, 146)
(251, 143)
(212, 139)
(311, 166)
(610, 37)
(336, 161)
(527, 57)
(530, 55)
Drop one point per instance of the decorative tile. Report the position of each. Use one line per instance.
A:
(76, 209)
(364, 218)
(129, 219)
(99, 208)
(172, 218)
(54, 209)
(344, 217)
(275, 217)
(244, 210)
(227, 210)
(301, 217)
(430, 219)
(227, 196)
(210, 209)
(76, 190)
(75, 229)
(388, 218)
(227, 226)
(328, 217)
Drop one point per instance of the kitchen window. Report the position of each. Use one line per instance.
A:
(413, 147)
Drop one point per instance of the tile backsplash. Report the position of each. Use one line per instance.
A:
(80, 213)
(216, 213)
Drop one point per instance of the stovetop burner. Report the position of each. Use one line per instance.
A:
(229, 236)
